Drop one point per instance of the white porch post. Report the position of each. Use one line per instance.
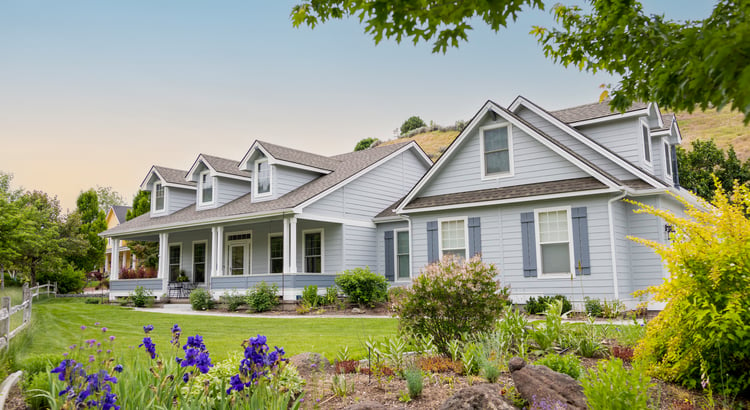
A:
(293, 245)
(214, 252)
(114, 260)
(219, 250)
(285, 240)
(164, 260)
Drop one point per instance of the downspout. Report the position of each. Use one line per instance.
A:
(612, 242)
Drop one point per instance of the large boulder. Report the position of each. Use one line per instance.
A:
(540, 383)
(308, 363)
(478, 397)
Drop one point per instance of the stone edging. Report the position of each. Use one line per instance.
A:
(8, 383)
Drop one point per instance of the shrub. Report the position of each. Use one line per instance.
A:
(142, 272)
(414, 381)
(201, 299)
(451, 297)
(362, 286)
(568, 364)
(593, 307)
(68, 279)
(412, 123)
(233, 300)
(704, 330)
(140, 296)
(262, 297)
(91, 301)
(612, 387)
(310, 295)
(536, 306)
(332, 296)
(9, 281)
(612, 309)
(365, 143)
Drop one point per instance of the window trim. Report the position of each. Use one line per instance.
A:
(255, 177)
(200, 189)
(667, 158)
(169, 262)
(571, 250)
(465, 220)
(247, 268)
(396, 277)
(154, 189)
(205, 261)
(646, 142)
(322, 249)
(276, 235)
(483, 170)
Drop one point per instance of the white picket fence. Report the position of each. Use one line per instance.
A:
(6, 311)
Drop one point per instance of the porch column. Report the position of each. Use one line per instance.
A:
(164, 260)
(219, 250)
(214, 252)
(285, 240)
(114, 272)
(293, 245)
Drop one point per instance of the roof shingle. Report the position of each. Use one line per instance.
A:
(591, 111)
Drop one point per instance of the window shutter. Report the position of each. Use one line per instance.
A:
(475, 237)
(675, 174)
(389, 257)
(528, 243)
(582, 260)
(432, 242)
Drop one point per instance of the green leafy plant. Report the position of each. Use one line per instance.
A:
(587, 340)
(452, 297)
(262, 297)
(414, 381)
(548, 334)
(612, 387)
(332, 296)
(535, 306)
(69, 280)
(412, 123)
(593, 307)
(568, 364)
(340, 387)
(91, 301)
(612, 309)
(140, 296)
(362, 286)
(489, 370)
(201, 299)
(471, 357)
(233, 300)
(310, 295)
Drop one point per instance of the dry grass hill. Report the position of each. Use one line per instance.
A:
(725, 127)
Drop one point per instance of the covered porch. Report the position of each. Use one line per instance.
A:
(287, 250)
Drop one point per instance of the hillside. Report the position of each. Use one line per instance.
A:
(725, 127)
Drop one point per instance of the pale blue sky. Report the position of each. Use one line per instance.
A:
(94, 93)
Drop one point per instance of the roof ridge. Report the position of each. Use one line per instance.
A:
(293, 149)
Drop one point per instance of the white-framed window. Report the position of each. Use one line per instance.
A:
(554, 235)
(313, 250)
(454, 237)
(496, 149)
(646, 135)
(159, 197)
(667, 159)
(238, 253)
(206, 188)
(199, 261)
(175, 261)
(262, 175)
(401, 245)
(275, 253)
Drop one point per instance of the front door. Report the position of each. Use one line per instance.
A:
(239, 258)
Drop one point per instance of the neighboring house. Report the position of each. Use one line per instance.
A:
(278, 215)
(540, 195)
(115, 216)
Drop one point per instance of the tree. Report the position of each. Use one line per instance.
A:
(108, 197)
(12, 226)
(704, 160)
(147, 253)
(412, 123)
(141, 205)
(39, 248)
(675, 64)
(88, 221)
(365, 143)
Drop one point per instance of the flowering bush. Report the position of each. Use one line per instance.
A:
(140, 273)
(451, 297)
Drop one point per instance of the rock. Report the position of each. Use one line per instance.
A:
(537, 383)
(357, 310)
(308, 363)
(366, 405)
(483, 396)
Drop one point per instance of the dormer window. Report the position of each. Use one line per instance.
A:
(262, 177)
(667, 160)
(497, 158)
(206, 188)
(158, 197)
(646, 142)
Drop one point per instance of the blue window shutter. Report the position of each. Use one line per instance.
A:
(675, 173)
(389, 258)
(475, 237)
(582, 262)
(528, 243)
(432, 242)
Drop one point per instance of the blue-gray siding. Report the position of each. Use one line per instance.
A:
(620, 136)
(287, 179)
(129, 285)
(178, 198)
(282, 281)
(379, 267)
(228, 189)
(360, 247)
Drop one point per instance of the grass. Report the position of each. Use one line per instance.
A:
(57, 325)
(433, 143)
(725, 127)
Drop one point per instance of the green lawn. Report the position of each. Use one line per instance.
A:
(57, 325)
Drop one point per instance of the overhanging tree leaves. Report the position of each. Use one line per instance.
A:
(704, 160)
(676, 64)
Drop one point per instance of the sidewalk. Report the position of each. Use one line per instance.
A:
(186, 309)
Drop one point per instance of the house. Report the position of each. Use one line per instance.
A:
(278, 215)
(540, 195)
(115, 216)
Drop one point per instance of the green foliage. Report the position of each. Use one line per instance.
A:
(612, 309)
(612, 387)
(332, 296)
(703, 333)
(69, 280)
(147, 253)
(141, 205)
(310, 295)
(233, 300)
(262, 297)
(362, 286)
(452, 297)
(568, 364)
(108, 198)
(698, 166)
(34, 384)
(536, 306)
(586, 339)
(365, 143)
(414, 381)
(141, 296)
(38, 363)
(91, 301)
(593, 307)
(201, 299)
(489, 370)
(549, 333)
(92, 222)
(412, 123)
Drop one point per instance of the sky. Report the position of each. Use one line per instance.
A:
(94, 93)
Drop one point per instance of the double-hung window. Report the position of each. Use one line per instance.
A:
(402, 255)
(199, 262)
(206, 188)
(667, 159)
(158, 196)
(175, 254)
(314, 251)
(453, 238)
(276, 253)
(646, 134)
(554, 243)
(497, 159)
(262, 177)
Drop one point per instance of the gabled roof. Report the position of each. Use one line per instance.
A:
(170, 177)
(348, 167)
(219, 166)
(121, 212)
(291, 157)
(592, 111)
